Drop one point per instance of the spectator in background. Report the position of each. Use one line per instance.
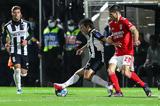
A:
(108, 48)
(74, 39)
(53, 40)
(152, 63)
(60, 24)
(32, 23)
(33, 53)
(141, 52)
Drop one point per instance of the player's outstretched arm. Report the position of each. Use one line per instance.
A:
(110, 41)
(135, 34)
(80, 51)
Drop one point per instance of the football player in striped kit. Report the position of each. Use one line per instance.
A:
(15, 36)
(96, 61)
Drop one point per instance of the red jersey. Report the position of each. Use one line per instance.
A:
(122, 34)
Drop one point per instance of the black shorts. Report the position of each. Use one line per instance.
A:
(20, 59)
(94, 64)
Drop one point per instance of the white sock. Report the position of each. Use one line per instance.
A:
(99, 81)
(17, 78)
(71, 81)
(14, 77)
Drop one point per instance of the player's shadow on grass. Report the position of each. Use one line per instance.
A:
(44, 93)
(130, 97)
(139, 97)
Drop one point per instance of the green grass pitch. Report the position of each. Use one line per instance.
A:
(76, 97)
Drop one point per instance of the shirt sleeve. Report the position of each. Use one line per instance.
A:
(98, 35)
(127, 23)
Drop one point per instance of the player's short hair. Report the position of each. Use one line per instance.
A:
(15, 8)
(115, 8)
(87, 22)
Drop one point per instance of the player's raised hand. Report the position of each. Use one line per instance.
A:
(80, 51)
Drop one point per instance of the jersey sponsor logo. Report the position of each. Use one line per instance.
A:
(118, 34)
(19, 33)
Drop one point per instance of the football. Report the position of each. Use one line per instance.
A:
(62, 92)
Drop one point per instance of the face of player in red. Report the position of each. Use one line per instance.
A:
(113, 15)
(16, 15)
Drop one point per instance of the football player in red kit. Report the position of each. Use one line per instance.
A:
(126, 34)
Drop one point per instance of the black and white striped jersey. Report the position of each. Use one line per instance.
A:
(96, 47)
(16, 32)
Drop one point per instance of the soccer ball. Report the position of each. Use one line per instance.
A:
(62, 92)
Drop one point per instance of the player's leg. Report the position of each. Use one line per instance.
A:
(24, 66)
(17, 70)
(112, 75)
(72, 80)
(17, 77)
(132, 75)
(90, 74)
(128, 71)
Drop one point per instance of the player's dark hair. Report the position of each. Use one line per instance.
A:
(115, 8)
(15, 8)
(87, 22)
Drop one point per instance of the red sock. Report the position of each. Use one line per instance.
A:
(115, 82)
(135, 78)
